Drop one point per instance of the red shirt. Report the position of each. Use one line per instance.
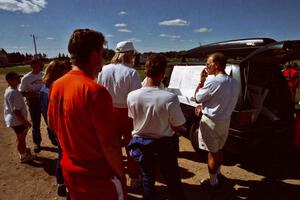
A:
(80, 111)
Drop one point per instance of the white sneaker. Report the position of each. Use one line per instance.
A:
(26, 157)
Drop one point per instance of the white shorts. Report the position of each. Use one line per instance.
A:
(212, 134)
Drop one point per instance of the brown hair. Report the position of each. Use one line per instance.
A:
(82, 43)
(220, 59)
(35, 61)
(155, 65)
(54, 70)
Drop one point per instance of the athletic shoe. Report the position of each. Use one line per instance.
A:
(26, 158)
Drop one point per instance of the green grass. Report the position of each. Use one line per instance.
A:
(20, 69)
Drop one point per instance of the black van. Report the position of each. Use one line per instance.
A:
(264, 115)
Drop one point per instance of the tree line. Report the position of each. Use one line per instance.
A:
(20, 58)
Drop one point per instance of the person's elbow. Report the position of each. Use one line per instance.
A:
(179, 130)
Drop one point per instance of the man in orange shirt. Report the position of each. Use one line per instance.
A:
(80, 111)
(291, 75)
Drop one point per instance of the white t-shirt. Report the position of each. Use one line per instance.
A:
(119, 80)
(218, 96)
(154, 111)
(13, 100)
(31, 82)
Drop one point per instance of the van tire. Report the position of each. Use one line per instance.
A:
(193, 135)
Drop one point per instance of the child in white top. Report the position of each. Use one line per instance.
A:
(15, 115)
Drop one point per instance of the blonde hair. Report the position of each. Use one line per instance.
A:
(54, 70)
(123, 57)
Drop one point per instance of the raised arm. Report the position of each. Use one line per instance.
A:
(203, 76)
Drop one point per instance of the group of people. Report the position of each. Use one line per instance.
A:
(34, 86)
(91, 121)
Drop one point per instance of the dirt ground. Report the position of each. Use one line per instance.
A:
(276, 176)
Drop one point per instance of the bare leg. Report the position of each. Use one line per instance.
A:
(214, 161)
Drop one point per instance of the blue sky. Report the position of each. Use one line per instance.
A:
(153, 25)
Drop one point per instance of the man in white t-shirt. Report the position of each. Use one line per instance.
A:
(218, 94)
(157, 119)
(30, 86)
(119, 78)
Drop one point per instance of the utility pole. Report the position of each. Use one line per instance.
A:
(34, 44)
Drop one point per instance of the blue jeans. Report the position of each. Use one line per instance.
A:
(51, 134)
(162, 153)
(35, 114)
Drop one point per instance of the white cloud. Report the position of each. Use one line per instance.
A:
(50, 38)
(174, 22)
(134, 40)
(109, 35)
(120, 25)
(24, 6)
(124, 30)
(17, 47)
(203, 30)
(122, 12)
(171, 37)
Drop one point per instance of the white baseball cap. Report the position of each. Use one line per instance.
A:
(125, 46)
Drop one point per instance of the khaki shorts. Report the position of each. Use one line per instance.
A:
(212, 134)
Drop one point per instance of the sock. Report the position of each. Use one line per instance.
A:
(213, 179)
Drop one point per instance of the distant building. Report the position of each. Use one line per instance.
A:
(3, 57)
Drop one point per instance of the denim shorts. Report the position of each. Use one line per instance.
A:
(19, 129)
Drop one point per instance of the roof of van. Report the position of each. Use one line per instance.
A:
(239, 48)
(278, 52)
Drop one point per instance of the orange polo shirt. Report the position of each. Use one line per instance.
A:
(80, 111)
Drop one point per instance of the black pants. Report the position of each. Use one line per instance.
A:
(162, 153)
(34, 105)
